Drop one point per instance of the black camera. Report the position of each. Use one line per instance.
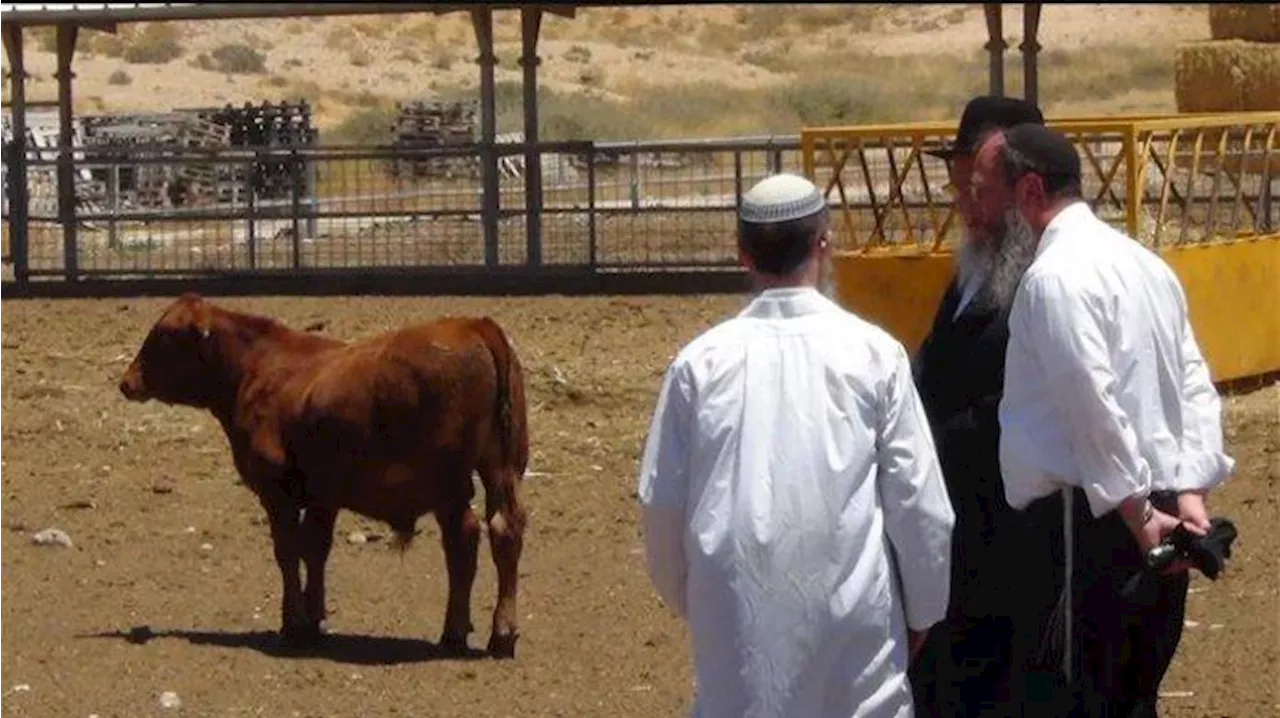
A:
(1208, 553)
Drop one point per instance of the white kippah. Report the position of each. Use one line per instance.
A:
(781, 198)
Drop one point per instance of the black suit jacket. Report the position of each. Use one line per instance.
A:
(959, 372)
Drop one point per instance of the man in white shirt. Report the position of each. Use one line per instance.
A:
(794, 511)
(1107, 395)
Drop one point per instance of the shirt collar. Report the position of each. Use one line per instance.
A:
(1073, 213)
(786, 302)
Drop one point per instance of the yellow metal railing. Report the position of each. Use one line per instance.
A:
(1165, 179)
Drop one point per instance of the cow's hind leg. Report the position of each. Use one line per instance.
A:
(286, 537)
(506, 519)
(460, 535)
(317, 541)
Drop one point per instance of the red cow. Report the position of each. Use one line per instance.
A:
(391, 428)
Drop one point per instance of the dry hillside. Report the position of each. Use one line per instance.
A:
(619, 73)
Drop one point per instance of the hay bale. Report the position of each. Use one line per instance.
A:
(1258, 22)
(1227, 76)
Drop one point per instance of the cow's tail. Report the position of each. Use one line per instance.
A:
(509, 402)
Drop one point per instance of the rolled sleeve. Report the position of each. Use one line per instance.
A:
(1065, 328)
(663, 490)
(918, 514)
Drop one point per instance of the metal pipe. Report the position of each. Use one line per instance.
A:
(482, 21)
(1030, 50)
(530, 25)
(17, 155)
(66, 40)
(995, 46)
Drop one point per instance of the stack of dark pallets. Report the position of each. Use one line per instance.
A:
(268, 127)
(126, 142)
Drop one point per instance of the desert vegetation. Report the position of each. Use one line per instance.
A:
(623, 73)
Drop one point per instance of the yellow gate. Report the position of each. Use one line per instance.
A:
(1198, 189)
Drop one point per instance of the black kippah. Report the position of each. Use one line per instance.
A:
(1047, 152)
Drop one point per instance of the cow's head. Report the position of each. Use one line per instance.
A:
(174, 362)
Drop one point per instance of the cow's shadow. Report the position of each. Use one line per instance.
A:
(335, 647)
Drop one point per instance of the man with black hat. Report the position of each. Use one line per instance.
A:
(965, 668)
(794, 512)
(1108, 417)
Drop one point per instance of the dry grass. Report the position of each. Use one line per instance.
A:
(652, 72)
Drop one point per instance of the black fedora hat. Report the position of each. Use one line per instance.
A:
(983, 112)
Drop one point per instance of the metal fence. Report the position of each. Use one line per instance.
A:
(641, 208)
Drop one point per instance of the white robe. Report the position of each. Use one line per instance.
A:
(1105, 386)
(795, 512)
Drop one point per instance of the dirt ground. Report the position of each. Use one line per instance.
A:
(164, 538)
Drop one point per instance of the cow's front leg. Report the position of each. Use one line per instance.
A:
(282, 513)
(317, 540)
(460, 535)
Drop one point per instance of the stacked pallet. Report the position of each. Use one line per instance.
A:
(42, 181)
(267, 126)
(425, 125)
(1239, 69)
(120, 140)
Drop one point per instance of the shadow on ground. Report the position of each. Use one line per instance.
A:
(335, 647)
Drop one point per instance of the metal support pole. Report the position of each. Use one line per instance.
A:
(19, 208)
(996, 46)
(1030, 49)
(592, 257)
(66, 161)
(530, 25)
(482, 20)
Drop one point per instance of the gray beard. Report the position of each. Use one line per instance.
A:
(1000, 261)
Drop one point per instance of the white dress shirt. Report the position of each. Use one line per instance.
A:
(1105, 387)
(795, 513)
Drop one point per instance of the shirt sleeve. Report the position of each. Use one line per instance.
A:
(1204, 464)
(663, 490)
(1067, 335)
(918, 514)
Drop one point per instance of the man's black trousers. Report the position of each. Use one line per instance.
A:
(1125, 632)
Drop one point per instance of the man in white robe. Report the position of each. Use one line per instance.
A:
(1107, 395)
(794, 510)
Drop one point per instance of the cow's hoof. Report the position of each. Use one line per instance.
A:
(305, 635)
(454, 645)
(503, 646)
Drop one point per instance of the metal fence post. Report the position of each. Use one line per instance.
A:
(591, 205)
(251, 206)
(19, 192)
(313, 200)
(113, 202)
(295, 190)
(635, 177)
(737, 181)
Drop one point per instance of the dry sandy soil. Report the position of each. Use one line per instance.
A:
(164, 538)
(610, 52)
